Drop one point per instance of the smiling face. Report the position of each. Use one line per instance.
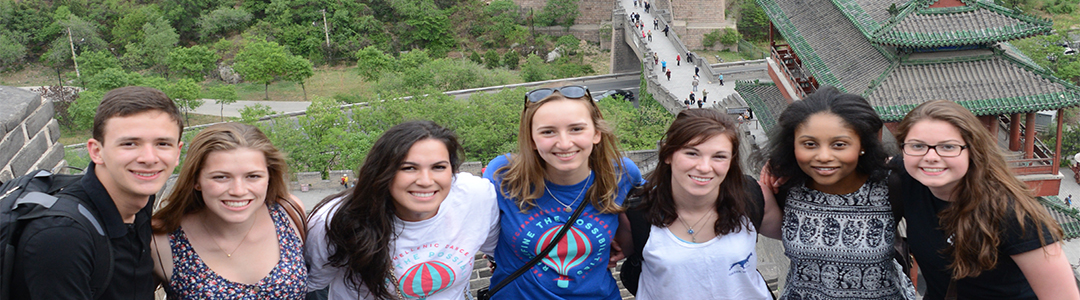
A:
(233, 183)
(564, 135)
(940, 174)
(422, 181)
(135, 156)
(827, 150)
(697, 171)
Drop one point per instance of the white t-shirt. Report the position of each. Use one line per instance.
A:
(433, 258)
(724, 267)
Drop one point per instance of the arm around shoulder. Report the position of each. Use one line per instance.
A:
(1048, 272)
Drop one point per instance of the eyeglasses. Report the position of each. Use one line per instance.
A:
(570, 91)
(943, 150)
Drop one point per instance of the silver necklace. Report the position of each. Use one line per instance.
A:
(566, 207)
(690, 229)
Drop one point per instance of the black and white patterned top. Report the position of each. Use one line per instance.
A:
(840, 246)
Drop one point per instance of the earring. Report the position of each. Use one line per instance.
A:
(861, 152)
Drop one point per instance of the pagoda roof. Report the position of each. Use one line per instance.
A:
(917, 25)
(765, 99)
(989, 83)
(986, 81)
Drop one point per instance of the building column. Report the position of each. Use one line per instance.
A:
(991, 124)
(1057, 143)
(1029, 136)
(1014, 132)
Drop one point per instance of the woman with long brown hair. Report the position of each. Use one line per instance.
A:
(974, 227)
(702, 216)
(567, 158)
(230, 228)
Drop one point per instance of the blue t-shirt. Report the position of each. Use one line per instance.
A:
(578, 268)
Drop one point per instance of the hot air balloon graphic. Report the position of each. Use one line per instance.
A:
(426, 279)
(570, 252)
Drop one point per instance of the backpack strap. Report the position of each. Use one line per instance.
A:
(631, 268)
(40, 205)
(756, 202)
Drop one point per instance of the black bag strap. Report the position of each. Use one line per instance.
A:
(901, 252)
(45, 205)
(536, 259)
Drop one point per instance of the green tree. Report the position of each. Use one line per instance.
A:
(93, 62)
(753, 22)
(371, 63)
(186, 93)
(252, 113)
(510, 59)
(730, 37)
(108, 79)
(222, 21)
(475, 57)
(159, 38)
(84, 108)
(193, 62)
(298, 69)
(559, 12)
(128, 29)
(534, 69)
(261, 62)
(84, 35)
(430, 31)
(222, 94)
(491, 59)
(11, 53)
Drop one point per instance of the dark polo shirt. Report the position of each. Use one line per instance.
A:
(55, 255)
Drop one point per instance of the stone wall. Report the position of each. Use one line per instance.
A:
(31, 135)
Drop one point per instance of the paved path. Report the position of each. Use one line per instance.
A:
(682, 75)
(233, 110)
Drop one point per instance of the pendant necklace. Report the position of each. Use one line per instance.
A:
(229, 254)
(567, 207)
(690, 229)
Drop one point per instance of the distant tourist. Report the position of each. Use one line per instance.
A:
(953, 176)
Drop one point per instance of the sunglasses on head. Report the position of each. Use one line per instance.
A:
(570, 91)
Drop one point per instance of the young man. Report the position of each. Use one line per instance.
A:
(134, 148)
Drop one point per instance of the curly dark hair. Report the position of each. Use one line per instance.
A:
(857, 115)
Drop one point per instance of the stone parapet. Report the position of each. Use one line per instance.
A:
(31, 135)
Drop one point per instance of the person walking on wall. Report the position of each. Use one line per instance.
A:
(1068, 200)
(669, 74)
(663, 66)
(695, 83)
(721, 78)
(689, 57)
(666, 28)
(655, 24)
(696, 68)
(678, 60)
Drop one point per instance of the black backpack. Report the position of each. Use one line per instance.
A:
(640, 228)
(32, 196)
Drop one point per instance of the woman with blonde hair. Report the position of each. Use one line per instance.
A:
(567, 160)
(230, 228)
(975, 229)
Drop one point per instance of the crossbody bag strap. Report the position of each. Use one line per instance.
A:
(950, 294)
(547, 249)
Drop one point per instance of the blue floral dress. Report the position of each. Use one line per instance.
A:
(192, 279)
